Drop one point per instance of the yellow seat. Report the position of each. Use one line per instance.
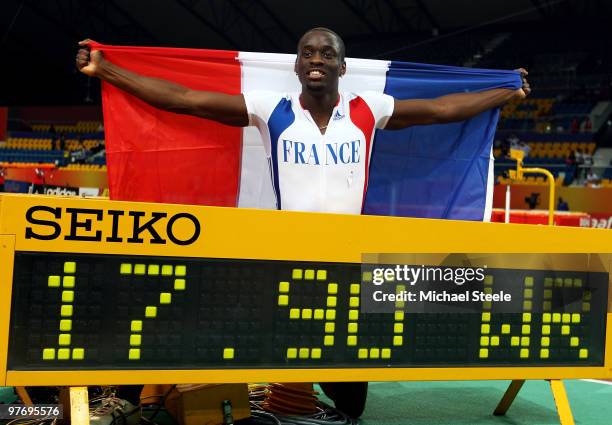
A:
(591, 148)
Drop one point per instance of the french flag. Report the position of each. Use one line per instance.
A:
(436, 171)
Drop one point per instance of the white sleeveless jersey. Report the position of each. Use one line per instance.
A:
(318, 172)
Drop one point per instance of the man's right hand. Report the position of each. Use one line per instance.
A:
(88, 62)
(221, 107)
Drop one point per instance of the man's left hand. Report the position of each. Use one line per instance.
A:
(524, 91)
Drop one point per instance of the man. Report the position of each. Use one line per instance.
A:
(562, 205)
(318, 142)
(592, 179)
(78, 154)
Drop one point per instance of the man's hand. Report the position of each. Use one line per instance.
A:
(167, 95)
(88, 62)
(524, 91)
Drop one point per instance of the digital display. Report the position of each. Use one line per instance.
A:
(102, 311)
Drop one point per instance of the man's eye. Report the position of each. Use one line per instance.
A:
(306, 54)
(328, 55)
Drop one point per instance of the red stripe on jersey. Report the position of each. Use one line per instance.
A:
(362, 116)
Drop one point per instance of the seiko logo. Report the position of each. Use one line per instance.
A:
(338, 116)
(157, 227)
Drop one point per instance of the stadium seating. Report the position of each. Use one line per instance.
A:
(40, 145)
(26, 143)
(79, 127)
(558, 150)
(73, 144)
(538, 180)
(544, 115)
(563, 173)
(85, 167)
(32, 156)
(528, 108)
(550, 152)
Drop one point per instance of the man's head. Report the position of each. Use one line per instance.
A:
(320, 60)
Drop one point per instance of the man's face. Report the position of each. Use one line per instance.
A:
(318, 63)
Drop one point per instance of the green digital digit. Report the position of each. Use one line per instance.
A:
(519, 338)
(562, 321)
(66, 284)
(136, 325)
(353, 324)
(325, 315)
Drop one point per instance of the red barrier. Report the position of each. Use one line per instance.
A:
(561, 218)
(58, 177)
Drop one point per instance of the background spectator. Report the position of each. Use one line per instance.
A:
(574, 126)
(78, 155)
(592, 179)
(562, 205)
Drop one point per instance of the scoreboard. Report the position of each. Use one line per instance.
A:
(97, 292)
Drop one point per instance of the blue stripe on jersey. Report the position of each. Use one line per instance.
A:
(437, 171)
(280, 119)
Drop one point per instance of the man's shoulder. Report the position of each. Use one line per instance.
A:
(359, 93)
(268, 93)
(263, 102)
(268, 97)
(367, 95)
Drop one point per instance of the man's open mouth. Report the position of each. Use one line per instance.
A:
(315, 74)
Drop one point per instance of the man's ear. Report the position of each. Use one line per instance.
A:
(343, 68)
(295, 66)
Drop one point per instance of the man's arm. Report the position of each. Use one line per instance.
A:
(451, 108)
(166, 95)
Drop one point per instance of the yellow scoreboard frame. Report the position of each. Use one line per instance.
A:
(230, 233)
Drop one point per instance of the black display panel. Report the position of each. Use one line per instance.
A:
(75, 311)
